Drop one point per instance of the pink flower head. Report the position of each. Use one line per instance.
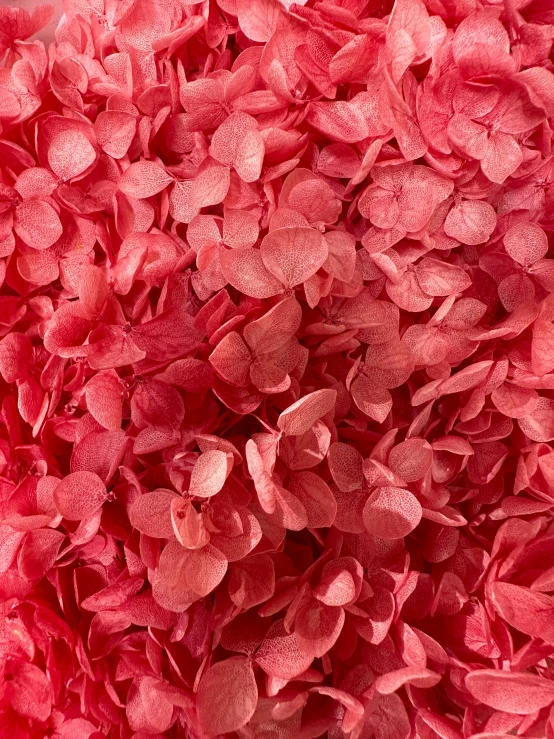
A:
(403, 196)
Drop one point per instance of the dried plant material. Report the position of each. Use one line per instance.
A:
(276, 369)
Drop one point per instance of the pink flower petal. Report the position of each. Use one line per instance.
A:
(144, 179)
(292, 255)
(512, 692)
(471, 222)
(392, 513)
(79, 495)
(70, 153)
(37, 224)
(227, 696)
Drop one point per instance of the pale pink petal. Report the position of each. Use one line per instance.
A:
(392, 513)
(209, 473)
(292, 255)
(144, 179)
(37, 224)
(79, 495)
(526, 243)
(511, 692)
(245, 270)
(471, 222)
(227, 696)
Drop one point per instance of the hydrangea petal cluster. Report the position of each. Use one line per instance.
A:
(277, 370)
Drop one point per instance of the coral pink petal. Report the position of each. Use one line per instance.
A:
(37, 224)
(79, 495)
(392, 513)
(227, 696)
(512, 692)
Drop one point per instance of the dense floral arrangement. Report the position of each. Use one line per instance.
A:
(277, 370)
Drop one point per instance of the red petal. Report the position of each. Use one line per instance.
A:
(70, 153)
(503, 157)
(245, 270)
(200, 570)
(210, 186)
(316, 497)
(15, 356)
(513, 401)
(393, 681)
(411, 459)
(440, 278)
(29, 692)
(340, 121)
(104, 401)
(526, 243)
(148, 706)
(275, 328)
(231, 359)
(539, 425)
(238, 143)
(527, 611)
(345, 465)
(240, 228)
(317, 627)
(115, 131)
(471, 222)
(157, 404)
(258, 22)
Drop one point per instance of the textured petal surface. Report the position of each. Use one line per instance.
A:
(300, 416)
(104, 400)
(79, 495)
(144, 179)
(471, 222)
(70, 153)
(227, 696)
(209, 473)
(293, 255)
(37, 224)
(392, 513)
(510, 692)
(246, 271)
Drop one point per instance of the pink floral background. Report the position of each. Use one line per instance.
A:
(276, 369)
